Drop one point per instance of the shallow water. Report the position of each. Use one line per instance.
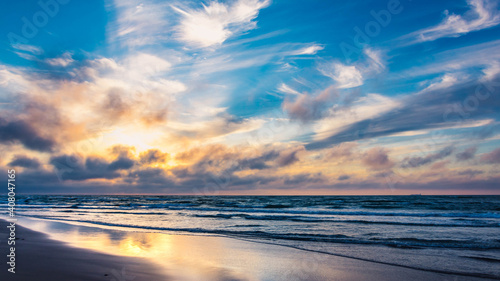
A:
(442, 233)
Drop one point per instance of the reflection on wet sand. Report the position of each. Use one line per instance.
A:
(181, 257)
(208, 258)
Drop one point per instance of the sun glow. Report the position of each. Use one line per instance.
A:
(140, 138)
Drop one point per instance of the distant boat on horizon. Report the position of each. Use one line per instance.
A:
(416, 194)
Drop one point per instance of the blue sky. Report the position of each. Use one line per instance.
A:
(279, 97)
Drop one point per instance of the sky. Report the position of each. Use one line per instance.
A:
(279, 97)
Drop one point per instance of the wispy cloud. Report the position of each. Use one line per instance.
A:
(286, 89)
(28, 48)
(216, 22)
(346, 76)
(417, 161)
(139, 23)
(311, 50)
(354, 75)
(63, 60)
(453, 60)
(482, 14)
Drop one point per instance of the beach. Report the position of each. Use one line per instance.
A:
(91, 253)
(41, 258)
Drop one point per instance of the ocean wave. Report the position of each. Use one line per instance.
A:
(405, 242)
(463, 223)
(274, 209)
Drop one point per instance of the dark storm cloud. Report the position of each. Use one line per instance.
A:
(12, 132)
(439, 108)
(25, 162)
(304, 179)
(153, 156)
(343, 177)
(122, 163)
(413, 162)
(30, 180)
(467, 154)
(258, 162)
(95, 163)
(74, 167)
(150, 176)
(251, 182)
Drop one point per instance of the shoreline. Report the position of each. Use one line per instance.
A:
(40, 258)
(274, 244)
(219, 258)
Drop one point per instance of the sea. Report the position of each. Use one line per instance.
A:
(448, 234)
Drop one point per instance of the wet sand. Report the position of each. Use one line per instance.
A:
(41, 258)
(91, 253)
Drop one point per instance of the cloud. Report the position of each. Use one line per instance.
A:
(227, 167)
(492, 157)
(304, 179)
(216, 22)
(28, 52)
(25, 162)
(450, 61)
(343, 177)
(351, 76)
(343, 119)
(222, 159)
(139, 24)
(340, 151)
(413, 162)
(467, 154)
(76, 167)
(288, 157)
(122, 163)
(286, 89)
(150, 176)
(470, 173)
(28, 48)
(311, 50)
(133, 87)
(483, 14)
(114, 107)
(153, 156)
(306, 107)
(220, 125)
(72, 167)
(61, 61)
(12, 132)
(423, 110)
(345, 76)
(374, 63)
(122, 151)
(377, 158)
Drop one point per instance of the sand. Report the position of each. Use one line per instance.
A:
(40, 258)
(183, 257)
